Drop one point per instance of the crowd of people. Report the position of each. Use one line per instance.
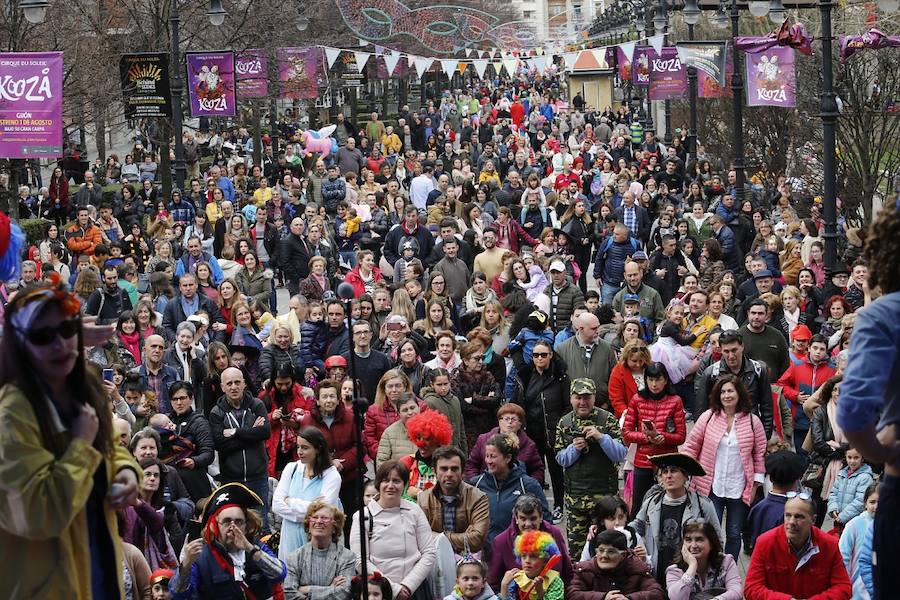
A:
(590, 366)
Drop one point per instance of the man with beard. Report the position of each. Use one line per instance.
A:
(452, 506)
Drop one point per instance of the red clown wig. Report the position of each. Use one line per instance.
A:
(429, 428)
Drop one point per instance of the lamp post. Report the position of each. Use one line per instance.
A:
(829, 114)
(737, 100)
(691, 14)
(661, 24)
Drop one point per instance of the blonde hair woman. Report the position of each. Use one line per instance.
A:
(383, 411)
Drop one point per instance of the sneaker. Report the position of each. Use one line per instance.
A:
(557, 514)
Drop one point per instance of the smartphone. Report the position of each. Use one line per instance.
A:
(393, 326)
(193, 529)
(108, 375)
(648, 424)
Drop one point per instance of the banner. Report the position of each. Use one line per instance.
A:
(211, 84)
(31, 104)
(708, 87)
(668, 78)
(145, 85)
(770, 77)
(623, 63)
(640, 66)
(252, 68)
(873, 39)
(708, 57)
(301, 72)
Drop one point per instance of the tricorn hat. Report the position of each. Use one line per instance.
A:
(230, 494)
(682, 461)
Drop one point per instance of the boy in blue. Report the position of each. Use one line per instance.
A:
(537, 328)
(869, 411)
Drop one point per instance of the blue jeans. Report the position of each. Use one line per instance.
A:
(261, 488)
(607, 292)
(737, 514)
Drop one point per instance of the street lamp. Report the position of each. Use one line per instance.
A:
(301, 22)
(691, 12)
(758, 8)
(216, 15)
(777, 13)
(34, 10)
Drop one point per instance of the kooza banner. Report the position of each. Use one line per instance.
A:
(31, 104)
(301, 72)
(252, 68)
(211, 84)
(623, 64)
(668, 78)
(770, 77)
(145, 85)
(640, 66)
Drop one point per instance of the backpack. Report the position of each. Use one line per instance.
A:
(607, 244)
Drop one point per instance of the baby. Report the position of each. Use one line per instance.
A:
(162, 421)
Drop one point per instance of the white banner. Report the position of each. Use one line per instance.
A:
(657, 42)
(449, 66)
(331, 55)
(511, 64)
(390, 61)
(570, 58)
(628, 49)
(480, 66)
(361, 59)
(421, 64)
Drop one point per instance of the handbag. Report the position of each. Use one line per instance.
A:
(813, 477)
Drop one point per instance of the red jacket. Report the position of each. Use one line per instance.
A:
(669, 410)
(296, 402)
(774, 573)
(803, 378)
(621, 388)
(356, 280)
(341, 437)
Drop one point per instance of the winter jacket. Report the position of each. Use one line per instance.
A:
(272, 356)
(333, 192)
(182, 212)
(545, 406)
(848, 491)
(512, 235)
(502, 497)
(313, 335)
(703, 445)
(449, 406)
(631, 578)
(803, 378)
(821, 432)
(472, 517)
(340, 435)
(174, 315)
(651, 302)
(312, 290)
(622, 388)
(529, 456)
(776, 572)
(479, 414)
(609, 262)
(356, 280)
(731, 254)
(242, 457)
(105, 305)
(394, 443)
(393, 242)
(567, 299)
(377, 421)
(293, 257)
(502, 557)
(599, 368)
(83, 240)
(667, 415)
(256, 285)
(755, 376)
(647, 521)
(852, 545)
(43, 508)
(296, 401)
(194, 426)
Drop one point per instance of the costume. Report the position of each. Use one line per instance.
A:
(429, 429)
(542, 544)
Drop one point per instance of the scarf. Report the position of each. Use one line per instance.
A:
(834, 466)
(320, 279)
(132, 343)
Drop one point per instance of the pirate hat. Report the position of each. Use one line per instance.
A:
(230, 494)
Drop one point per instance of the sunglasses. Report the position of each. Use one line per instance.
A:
(43, 336)
(540, 354)
(804, 495)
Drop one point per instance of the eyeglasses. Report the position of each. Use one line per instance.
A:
(176, 398)
(540, 354)
(509, 419)
(321, 519)
(42, 336)
(228, 522)
(366, 332)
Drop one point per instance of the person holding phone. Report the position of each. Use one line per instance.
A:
(655, 422)
(58, 434)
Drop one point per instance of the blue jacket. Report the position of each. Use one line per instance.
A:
(609, 263)
(847, 492)
(183, 212)
(730, 253)
(502, 497)
(217, 274)
(227, 188)
(526, 339)
(852, 545)
(313, 336)
(333, 191)
(766, 514)
(865, 561)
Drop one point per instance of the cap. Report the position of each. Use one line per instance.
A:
(801, 332)
(335, 361)
(639, 255)
(682, 461)
(161, 575)
(780, 226)
(557, 265)
(540, 315)
(427, 165)
(631, 298)
(230, 494)
(583, 385)
(762, 274)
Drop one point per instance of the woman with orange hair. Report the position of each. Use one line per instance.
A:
(428, 431)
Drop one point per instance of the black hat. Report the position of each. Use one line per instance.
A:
(612, 537)
(840, 268)
(682, 461)
(230, 494)
(762, 274)
(785, 467)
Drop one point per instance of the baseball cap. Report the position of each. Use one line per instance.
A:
(557, 265)
(639, 255)
(631, 298)
(583, 385)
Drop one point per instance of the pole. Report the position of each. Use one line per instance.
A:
(829, 114)
(273, 126)
(737, 90)
(177, 89)
(667, 105)
(692, 100)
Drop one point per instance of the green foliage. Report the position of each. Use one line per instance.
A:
(110, 192)
(35, 229)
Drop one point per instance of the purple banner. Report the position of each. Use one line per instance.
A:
(211, 84)
(708, 87)
(252, 69)
(301, 72)
(668, 78)
(31, 104)
(870, 40)
(623, 64)
(770, 77)
(640, 66)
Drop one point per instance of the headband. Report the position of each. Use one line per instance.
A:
(31, 301)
